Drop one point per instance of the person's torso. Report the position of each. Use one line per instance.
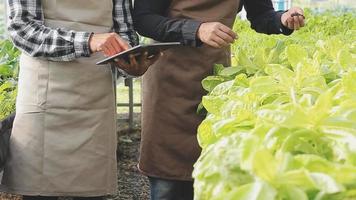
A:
(79, 15)
(223, 11)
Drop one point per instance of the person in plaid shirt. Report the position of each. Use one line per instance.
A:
(28, 32)
(63, 141)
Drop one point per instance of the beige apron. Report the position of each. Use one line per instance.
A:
(172, 91)
(64, 137)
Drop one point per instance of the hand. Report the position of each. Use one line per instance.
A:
(216, 34)
(293, 18)
(135, 68)
(109, 43)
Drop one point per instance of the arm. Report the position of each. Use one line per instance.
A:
(123, 22)
(263, 17)
(28, 32)
(150, 21)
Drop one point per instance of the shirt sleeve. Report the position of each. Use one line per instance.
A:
(28, 32)
(123, 22)
(150, 20)
(263, 17)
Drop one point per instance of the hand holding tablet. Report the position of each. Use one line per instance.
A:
(137, 65)
(136, 61)
(137, 51)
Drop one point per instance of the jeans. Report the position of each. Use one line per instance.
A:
(162, 189)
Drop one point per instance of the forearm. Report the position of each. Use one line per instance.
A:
(150, 21)
(176, 30)
(28, 32)
(263, 17)
(270, 23)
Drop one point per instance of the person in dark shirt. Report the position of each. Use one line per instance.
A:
(172, 87)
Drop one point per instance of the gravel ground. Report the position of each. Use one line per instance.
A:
(132, 185)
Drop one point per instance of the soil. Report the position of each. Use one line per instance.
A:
(131, 184)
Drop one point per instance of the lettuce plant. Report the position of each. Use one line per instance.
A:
(281, 122)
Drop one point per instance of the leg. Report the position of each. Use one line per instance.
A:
(163, 189)
(38, 198)
(187, 190)
(6, 124)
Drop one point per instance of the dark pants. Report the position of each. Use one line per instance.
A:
(56, 198)
(162, 189)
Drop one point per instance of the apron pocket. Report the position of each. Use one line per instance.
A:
(32, 86)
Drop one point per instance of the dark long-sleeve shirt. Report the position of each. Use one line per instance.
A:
(150, 20)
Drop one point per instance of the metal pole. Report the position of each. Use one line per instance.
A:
(129, 83)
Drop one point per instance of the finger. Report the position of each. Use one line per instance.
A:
(133, 60)
(123, 44)
(123, 64)
(105, 51)
(108, 48)
(301, 21)
(299, 10)
(226, 37)
(220, 41)
(144, 57)
(142, 61)
(296, 23)
(290, 23)
(213, 44)
(228, 31)
(112, 49)
(116, 46)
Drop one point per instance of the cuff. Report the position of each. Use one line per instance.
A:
(131, 38)
(81, 44)
(282, 29)
(189, 32)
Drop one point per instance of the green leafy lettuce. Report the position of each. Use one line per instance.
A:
(281, 122)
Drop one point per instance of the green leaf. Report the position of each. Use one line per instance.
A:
(326, 184)
(255, 191)
(296, 54)
(211, 82)
(230, 71)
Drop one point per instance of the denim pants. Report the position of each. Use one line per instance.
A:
(162, 189)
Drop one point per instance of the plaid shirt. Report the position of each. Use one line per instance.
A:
(27, 30)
